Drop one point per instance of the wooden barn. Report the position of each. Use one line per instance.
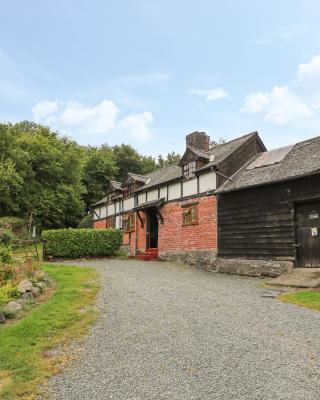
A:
(269, 213)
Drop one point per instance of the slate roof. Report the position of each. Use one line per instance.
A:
(224, 150)
(174, 171)
(220, 152)
(137, 177)
(302, 160)
(162, 175)
(116, 186)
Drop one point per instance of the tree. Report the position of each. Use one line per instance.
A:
(100, 167)
(171, 158)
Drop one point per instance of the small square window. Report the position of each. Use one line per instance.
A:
(128, 223)
(190, 216)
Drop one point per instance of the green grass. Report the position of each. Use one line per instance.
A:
(24, 361)
(304, 298)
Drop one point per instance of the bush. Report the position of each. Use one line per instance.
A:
(86, 222)
(17, 225)
(6, 237)
(5, 254)
(75, 243)
(8, 292)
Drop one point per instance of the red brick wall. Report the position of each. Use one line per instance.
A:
(99, 224)
(174, 236)
(141, 231)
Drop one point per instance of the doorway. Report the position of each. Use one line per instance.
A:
(152, 228)
(308, 234)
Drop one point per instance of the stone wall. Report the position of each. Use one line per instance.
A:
(272, 268)
(205, 259)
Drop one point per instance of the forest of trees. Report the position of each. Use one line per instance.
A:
(56, 179)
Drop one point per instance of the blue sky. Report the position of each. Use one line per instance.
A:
(148, 72)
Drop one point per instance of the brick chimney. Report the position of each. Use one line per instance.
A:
(198, 140)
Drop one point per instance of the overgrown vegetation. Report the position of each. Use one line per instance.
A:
(74, 243)
(56, 179)
(28, 355)
(304, 298)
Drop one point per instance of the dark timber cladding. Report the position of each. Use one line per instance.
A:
(260, 222)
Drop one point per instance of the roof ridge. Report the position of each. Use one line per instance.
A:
(233, 140)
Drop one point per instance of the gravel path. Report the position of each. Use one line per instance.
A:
(173, 332)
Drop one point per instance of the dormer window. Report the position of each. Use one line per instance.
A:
(189, 169)
(127, 192)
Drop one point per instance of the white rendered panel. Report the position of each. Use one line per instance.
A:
(118, 222)
(141, 198)
(103, 212)
(163, 192)
(117, 206)
(207, 182)
(174, 191)
(153, 194)
(128, 204)
(110, 209)
(189, 187)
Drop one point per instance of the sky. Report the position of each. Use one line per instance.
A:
(148, 72)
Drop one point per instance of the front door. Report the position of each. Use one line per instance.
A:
(308, 234)
(152, 228)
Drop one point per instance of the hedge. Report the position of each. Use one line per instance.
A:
(75, 243)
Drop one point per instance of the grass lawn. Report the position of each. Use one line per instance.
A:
(305, 298)
(24, 345)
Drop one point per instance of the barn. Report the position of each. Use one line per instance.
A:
(269, 213)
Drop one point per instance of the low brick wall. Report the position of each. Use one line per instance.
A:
(205, 259)
(272, 268)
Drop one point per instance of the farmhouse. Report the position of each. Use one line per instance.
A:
(269, 213)
(172, 213)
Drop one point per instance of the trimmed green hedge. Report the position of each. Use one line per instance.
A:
(75, 243)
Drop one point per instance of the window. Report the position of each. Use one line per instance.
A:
(188, 169)
(128, 223)
(127, 192)
(190, 216)
(110, 223)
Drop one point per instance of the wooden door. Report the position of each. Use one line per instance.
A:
(308, 234)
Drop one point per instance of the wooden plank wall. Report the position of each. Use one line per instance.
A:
(260, 222)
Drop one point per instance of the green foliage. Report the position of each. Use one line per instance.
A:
(15, 224)
(172, 158)
(75, 243)
(8, 292)
(86, 222)
(5, 254)
(58, 180)
(6, 237)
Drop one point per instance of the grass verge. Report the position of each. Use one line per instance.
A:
(304, 298)
(24, 362)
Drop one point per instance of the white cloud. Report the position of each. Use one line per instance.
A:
(296, 101)
(210, 94)
(44, 110)
(279, 106)
(309, 71)
(93, 123)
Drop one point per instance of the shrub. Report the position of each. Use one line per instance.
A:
(5, 254)
(8, 292)
(86, 222)
(74, 243)
(17, 225)
(6, 237)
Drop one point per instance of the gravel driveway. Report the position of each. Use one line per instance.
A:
(173, 332)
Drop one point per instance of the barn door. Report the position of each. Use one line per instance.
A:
(308, 234)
